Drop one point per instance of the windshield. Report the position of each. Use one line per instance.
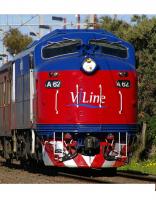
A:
(61, 48)
(110, 48)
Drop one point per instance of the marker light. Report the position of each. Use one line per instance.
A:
(53, 74)
(123, 74)
(89, 65)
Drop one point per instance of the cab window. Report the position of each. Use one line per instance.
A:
(110, 48)
(60, 48)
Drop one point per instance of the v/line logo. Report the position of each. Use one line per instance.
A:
(88, 99)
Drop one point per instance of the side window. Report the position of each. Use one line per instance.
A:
(13, 83)
(31, 60)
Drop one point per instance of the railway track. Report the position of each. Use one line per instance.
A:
(88, 179)
(70, 175)
(145, 177)
(121, 177)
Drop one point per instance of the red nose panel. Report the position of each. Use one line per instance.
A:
(76, 98)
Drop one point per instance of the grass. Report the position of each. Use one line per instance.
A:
(148, 167)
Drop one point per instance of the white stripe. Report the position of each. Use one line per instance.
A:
(70, 163)
(119, 144)
(13, 83)
(56, 101)
(100, 86)
(88, 159)
(108, 163)
(77, 94)
(121, 100)
(33, 141)
(126, 142)
(47, 161)
(31, 94)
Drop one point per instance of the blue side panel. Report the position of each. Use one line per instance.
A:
(17, 68)
(22, 65)
(22, 92)
(92, 128)
(25, 64)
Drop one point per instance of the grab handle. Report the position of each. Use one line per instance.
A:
(121, 102)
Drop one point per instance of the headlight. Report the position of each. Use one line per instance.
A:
(89, 65)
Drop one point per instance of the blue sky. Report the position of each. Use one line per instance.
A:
(11, 19)
(6, 20)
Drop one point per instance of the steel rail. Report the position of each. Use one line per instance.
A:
(101, 178)
(89, 179)
(145, 177)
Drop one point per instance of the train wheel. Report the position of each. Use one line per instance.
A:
(33, 165)
(24, 163)
(7, 150)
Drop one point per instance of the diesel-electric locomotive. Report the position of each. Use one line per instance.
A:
(70, 100)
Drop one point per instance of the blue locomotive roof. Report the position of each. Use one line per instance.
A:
(85, 36)
(58, 32)
(63, 32)
(72, 33)
(67, 31)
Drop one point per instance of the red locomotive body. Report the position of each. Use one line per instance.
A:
(73, 101)
(91, 104)
(84, 99)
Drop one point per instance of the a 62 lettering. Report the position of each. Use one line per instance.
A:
(53, 84)
(56, 84)
(123, 83)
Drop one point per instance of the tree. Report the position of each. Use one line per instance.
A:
(15, 41)
(138, 18)
(114, 25)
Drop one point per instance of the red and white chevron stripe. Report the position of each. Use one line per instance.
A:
(80, 161)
